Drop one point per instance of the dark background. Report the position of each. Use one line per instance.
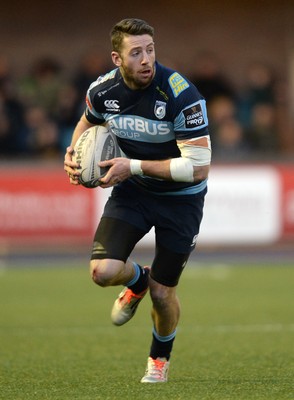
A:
(237, 31)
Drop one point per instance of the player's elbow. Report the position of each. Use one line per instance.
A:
(201, 173)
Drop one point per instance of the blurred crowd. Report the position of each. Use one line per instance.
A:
(39, 111)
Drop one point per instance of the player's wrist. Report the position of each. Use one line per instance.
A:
(136, 167)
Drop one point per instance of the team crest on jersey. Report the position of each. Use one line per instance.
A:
(177, 83)
(160, 109)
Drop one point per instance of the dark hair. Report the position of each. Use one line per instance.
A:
(128, 26)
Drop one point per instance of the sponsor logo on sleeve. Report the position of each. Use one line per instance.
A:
(194, 116)
(177, 83)
(102, 93)
(160, 109)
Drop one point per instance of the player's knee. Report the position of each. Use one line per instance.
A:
(161, 295)
(105, 272)
(99, 273)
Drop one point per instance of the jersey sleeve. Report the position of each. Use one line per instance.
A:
(190, 113)
(91, 114)
(192, 121)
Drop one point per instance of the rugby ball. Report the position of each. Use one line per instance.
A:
(94, 145)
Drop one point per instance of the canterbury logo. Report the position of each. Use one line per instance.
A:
(111, 104)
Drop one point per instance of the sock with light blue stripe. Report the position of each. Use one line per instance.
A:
(139, 282)
(162, 345)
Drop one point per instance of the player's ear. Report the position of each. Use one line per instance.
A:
(116, 59)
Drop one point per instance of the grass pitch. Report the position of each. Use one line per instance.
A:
(234, 341)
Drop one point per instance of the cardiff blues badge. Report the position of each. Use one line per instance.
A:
(160, 109)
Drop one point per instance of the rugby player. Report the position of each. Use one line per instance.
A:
(160, 121)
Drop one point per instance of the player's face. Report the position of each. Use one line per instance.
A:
(136, 61)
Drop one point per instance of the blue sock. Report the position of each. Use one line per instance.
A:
(162, 345)
(139, 283)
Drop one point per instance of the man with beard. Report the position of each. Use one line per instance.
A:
(160, 121)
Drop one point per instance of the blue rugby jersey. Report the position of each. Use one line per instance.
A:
(148, 122)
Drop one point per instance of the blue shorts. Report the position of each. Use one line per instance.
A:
(131, 212)
(176, 219)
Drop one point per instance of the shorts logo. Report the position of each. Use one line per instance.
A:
(160, 109)
(194, 240)
(194, 116)
(177, 83)
(111, 105)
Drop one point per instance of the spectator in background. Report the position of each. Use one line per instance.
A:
(257, 109)
(209, 78)
(230, 144)
(41, 133)
(41, 86)
(52, 108)
(71, 97)
(259, 88)
(262, 132)
(67, 112)
(11, 113)
(92, 64)
(220, 109)
(229, 141)
(226, 132)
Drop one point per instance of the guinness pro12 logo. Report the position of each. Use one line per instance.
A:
(194, 116)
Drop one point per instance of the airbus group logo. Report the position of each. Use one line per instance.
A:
(112, 105)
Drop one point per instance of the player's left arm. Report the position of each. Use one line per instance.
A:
(192, 166)
(194, 161)
(195, 150)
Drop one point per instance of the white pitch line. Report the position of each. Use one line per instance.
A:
(256, 328)
(219, 329)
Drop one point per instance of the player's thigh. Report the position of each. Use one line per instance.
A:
(178, 222)
(115, 239)
(176, 233)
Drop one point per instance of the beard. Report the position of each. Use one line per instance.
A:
(133, 81)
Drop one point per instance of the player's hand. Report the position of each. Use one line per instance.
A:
(71, 167)
(119, 170)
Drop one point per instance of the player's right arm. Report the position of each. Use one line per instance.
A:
(70, 167)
